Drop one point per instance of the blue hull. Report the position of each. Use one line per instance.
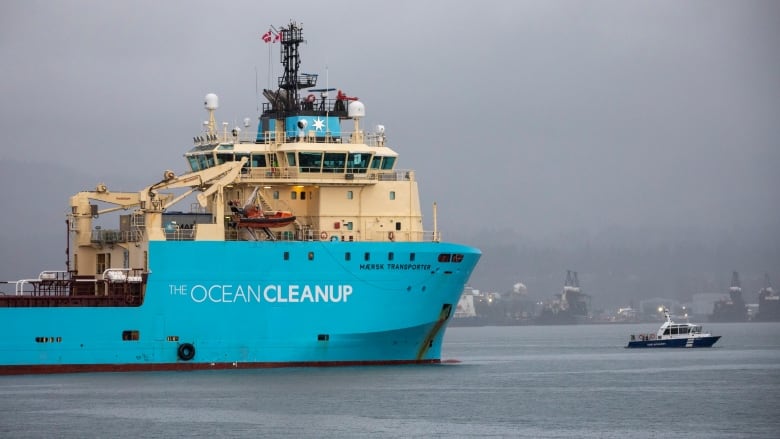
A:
(697, 342)
(255, 304)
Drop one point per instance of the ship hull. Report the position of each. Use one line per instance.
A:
(692, 342)
(255, 305)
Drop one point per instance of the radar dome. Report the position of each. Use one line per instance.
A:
(356, 109)
(212, 102)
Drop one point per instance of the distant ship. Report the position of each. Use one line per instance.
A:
(568, 308)
(465, 312)
(732, 309)
(768, 303)
(306, 247)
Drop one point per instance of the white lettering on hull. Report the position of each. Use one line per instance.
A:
(270, 293)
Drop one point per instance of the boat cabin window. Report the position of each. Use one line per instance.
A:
(258, 161)
(388, 162)
(276, 195)
(293, 195)
(392, 195)
(358, 162)
(224, 157)
(193, 163)
(310, 161)
(349, 195)
(334, 162)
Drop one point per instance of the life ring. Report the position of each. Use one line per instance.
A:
(391, 235)
(186, 351)
(311, 98)
(324, 235)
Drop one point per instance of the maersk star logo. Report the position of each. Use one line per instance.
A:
(319, 124)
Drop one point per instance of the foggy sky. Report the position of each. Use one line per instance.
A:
(522, 119)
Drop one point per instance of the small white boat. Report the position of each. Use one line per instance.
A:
(674, 335)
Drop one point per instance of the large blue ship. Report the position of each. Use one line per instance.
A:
(302, 245)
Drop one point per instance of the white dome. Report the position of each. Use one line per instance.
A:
(356, 109)
(212, 101)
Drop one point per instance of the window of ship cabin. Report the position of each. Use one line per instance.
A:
(349, 195)
(388, 162)
(276, 195)
(291, 158)
(376, 162)
(347, 256)
(224, 157)
(310, 161)
(133, 335)
(258, 161)
(357, 162)
(397, 226)
(203, 161)
(303, 195)
(193, 163)
(392, 195)
(293, 195)
(103, 262)
(334, 162)
(348, 225)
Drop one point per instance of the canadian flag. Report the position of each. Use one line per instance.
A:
(267, 37)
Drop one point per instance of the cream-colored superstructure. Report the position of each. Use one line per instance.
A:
(330, 203)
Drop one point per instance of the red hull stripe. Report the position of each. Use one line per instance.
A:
(84, 368)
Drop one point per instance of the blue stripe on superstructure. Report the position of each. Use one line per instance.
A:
(319, 125)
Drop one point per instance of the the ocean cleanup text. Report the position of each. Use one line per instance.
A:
(267, 293)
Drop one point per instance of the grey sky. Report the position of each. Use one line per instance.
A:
(537, 118)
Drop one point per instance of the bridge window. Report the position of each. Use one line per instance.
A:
(193, 163)
(258, 161)
(223, 157)
(291, 158)
(357, 162)
(310, 161)
(388, 162)
(334, 162)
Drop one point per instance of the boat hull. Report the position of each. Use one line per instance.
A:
(255, 305)
(692, 342)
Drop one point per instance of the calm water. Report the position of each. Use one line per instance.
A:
(541, 382)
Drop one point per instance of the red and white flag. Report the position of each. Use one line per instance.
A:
(267, 37)
(278, 37)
